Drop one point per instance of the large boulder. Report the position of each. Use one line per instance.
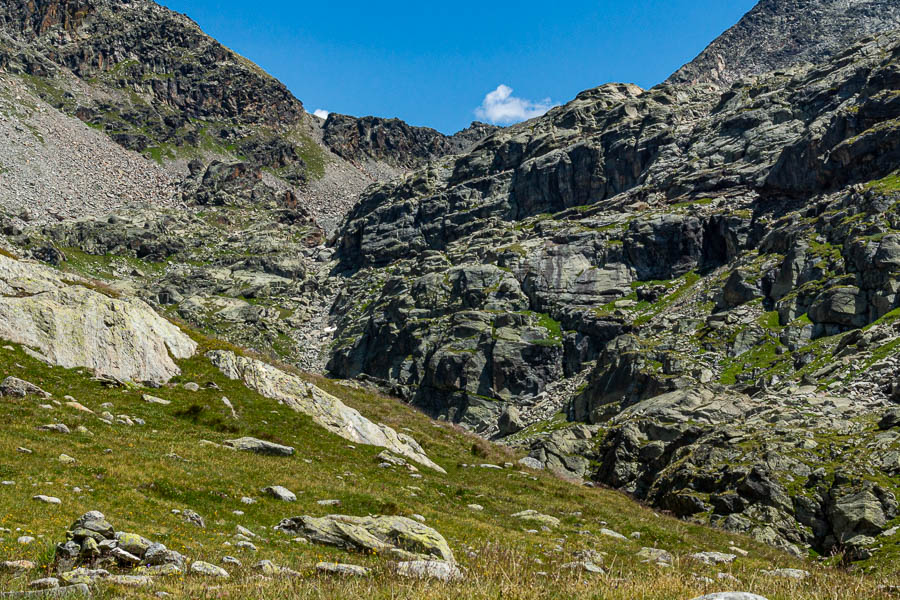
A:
(844, 306)
(72, 324)
(864, 512)
(398, 536)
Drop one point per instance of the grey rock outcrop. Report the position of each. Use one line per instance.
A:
(71, 324)
(250, 444)
(777, 34)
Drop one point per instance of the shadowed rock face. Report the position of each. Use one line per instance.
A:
(779, 33)
(395, 142)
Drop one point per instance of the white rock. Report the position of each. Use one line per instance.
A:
(47, 499)
(154, 400)
(280, 492)
(612, 534)
(75, 326)
(429, 569)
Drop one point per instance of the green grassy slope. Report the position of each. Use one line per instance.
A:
(137, 475)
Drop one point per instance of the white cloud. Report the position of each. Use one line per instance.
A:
(500, 106)
(322, 114)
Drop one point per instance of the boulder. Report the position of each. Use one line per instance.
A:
(398, 536)
(860, 513)
(786, 573)
(656, 556)
(71, 324)
(510, 421)
(133, 543)
(429, 569)
(47, 499)
(889, 419)
(16, 566)
(250, 444)
(740, 289)
(94, 521)
(13, 386)
(342, 569)
(280, 493)
(845, 306)
(157, 555)
(205, 569)
(536, 517)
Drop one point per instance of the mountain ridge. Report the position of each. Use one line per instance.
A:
(779, 33)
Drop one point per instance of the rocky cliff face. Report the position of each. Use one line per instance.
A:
(780, 33)
(699, 276)
(394, 142)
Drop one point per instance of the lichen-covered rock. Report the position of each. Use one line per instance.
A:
(536, 517)
(325, 409)
(205, 569)
(13, 386)
(429, 569)
(397, 536)
(73, 325)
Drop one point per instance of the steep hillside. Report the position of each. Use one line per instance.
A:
(53, 166)
(156, 84)
(779, 33)
(156, 461)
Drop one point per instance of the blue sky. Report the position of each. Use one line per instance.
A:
(433, 63)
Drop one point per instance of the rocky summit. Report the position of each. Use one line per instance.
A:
(644, 345)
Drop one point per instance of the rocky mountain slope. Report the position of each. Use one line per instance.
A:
(679, 268)
(223, 469)
(779, 33)
(156, 84)
(394, 142)
(53, 166)
(690, 293)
